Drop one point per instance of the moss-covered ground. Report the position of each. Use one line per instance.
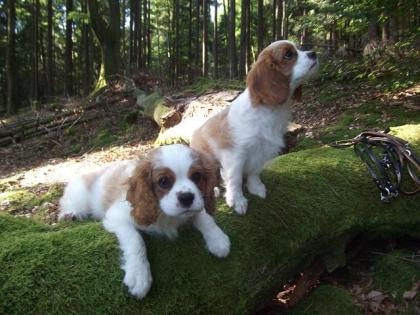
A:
(309, 212)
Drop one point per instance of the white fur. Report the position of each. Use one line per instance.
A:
(257, 136)
(81, 201)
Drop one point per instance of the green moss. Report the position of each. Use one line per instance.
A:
(368, 116)
(306, 143)
(396, 273)
(22, 200)
(18, 200)
(104, 137)
(326, 300)
(316, 199)
(409, 133)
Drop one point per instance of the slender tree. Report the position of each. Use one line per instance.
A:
(136, 34)
(285, 22)
(242, 43)
(274, 21)
(69, 49)
(131, 35)
(149, 36)
(280, 19)
(50, 44)
(215, 42)
(144, 44)
(205, 61)
(190, 55)
(87, 71)
(260, 26)
(11, 56)
(197, 35)
(176, 43)
(107, 31)
(233, 71)
(35, 51)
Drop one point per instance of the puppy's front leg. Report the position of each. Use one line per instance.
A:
(233, 176)
(138, 277)
(217, 242)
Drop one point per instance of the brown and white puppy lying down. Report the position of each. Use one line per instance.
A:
(250, 132)
(173, 186)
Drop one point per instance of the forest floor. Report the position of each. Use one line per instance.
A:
(33, 173)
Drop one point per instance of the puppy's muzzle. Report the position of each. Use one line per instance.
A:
(186, 199)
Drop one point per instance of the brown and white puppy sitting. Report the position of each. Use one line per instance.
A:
(173, 186)
(250, 132)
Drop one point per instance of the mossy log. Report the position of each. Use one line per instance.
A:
(318, 201)
(154, 108)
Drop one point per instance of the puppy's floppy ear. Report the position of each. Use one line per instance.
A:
(211, 173)
(140, 194)
(297, 95)
(266, 82)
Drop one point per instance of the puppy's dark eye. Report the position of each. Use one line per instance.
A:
(288, 55)
(165, 182)
(196, 177)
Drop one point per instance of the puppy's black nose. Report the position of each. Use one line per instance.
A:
(186, 199)
(311, 55)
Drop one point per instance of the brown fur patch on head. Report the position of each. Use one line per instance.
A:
(204, 172)
(141, 194)
(162, 173)
(269, 79)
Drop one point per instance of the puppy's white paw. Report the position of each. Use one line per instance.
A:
(67, 216)
(219, 244)
(241, 205)
(138, 281)
(257, 188)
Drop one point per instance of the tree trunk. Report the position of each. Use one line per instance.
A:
(215, 43)
(131, 37)
(149, 36)
(305, 31)
(144, 33)
(68, 67)
(393, 29)
(86, 55)
(280, 19)
(197, 38)
(50, 57)
(136, 36)
(43, 58)
(315, 208)
(260, 26)
(373, 30)
(244, 39)
(123, 49)
(274, 29)
(205, 61)
(233, 72)
(385, 32)
(35, 51)
(248, 37)
(177, 40)
(285, 22)
(190, 74)
(107, 31)
(11, 57)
